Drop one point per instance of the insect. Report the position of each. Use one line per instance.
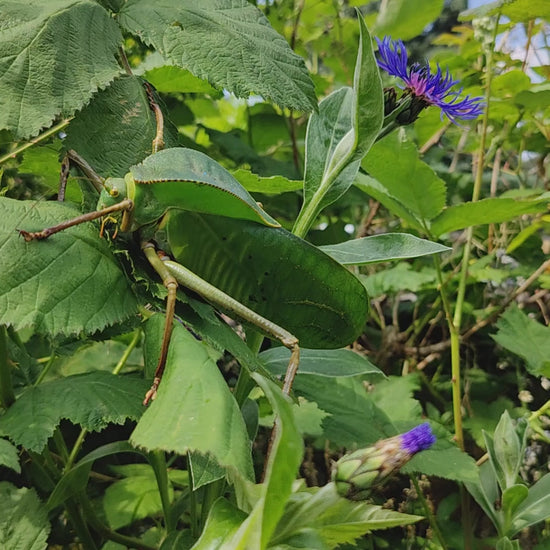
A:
(226, 248)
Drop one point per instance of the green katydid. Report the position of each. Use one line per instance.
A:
(326, 305)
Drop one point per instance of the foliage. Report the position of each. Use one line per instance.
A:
(292, 181)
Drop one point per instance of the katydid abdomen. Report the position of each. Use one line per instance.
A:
(276, 274)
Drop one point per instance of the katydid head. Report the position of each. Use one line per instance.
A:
(115, 191)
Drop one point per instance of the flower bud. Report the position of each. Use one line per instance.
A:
(355, 473)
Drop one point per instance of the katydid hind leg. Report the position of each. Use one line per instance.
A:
(158, 140)
(230, 305)
(172, 286)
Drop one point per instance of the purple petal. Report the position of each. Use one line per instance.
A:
(418, 439)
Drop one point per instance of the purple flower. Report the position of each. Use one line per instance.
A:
(427, 88)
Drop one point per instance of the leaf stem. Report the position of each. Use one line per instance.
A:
(45, 370)
(7, 397)
(157, 459)
(54, 129)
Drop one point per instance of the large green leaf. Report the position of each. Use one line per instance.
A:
(394, 162)
(23, 519)
(55, 55)
(526, 338)
(277, 275)
(68, 283)
(116, 129)
(230, 43)
(493, 210)
(382, 248)
(91, 400)
(194, 409)
(186, 179)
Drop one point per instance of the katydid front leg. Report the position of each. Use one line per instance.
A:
(125, 205)
(219, 298)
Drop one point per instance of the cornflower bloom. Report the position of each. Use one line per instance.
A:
(424, 86)
(355, 473)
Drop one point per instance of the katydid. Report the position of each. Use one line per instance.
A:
(325, 305)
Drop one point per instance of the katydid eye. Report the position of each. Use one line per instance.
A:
(113, 192)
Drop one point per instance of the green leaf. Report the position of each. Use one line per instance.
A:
(76, 479)
(340, 135)
(55, 55)
(68, 283)
(43, 162)
(221, 525)
(395, 163)
(230, 43)
(535, 508)
(336, 519)
(486, 493)
(170, 79)
(186, 179)
(516, 10)
(512, 497)
(194, 409)
(23, 520)
(444, 460)
(354, 419)
(506, 451)
(280, 472)
(268, 185)
(133, 498)
(506, 544)
(526, 338)
(90, 400)
(382, 248)
(9, 456)
(336, 362)
(405, 19)
(116, 129)
(380, 193)
(494, 210)
(400, 277)
(203, 469)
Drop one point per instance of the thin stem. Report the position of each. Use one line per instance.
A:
(12, 154)
(428, 512)
(7, 396)
(45, 370)
(157, 459)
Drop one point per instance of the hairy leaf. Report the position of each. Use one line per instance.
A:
(230, 43)
(23, 519)
(55, 55)
(68, 283)
(90, 400)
